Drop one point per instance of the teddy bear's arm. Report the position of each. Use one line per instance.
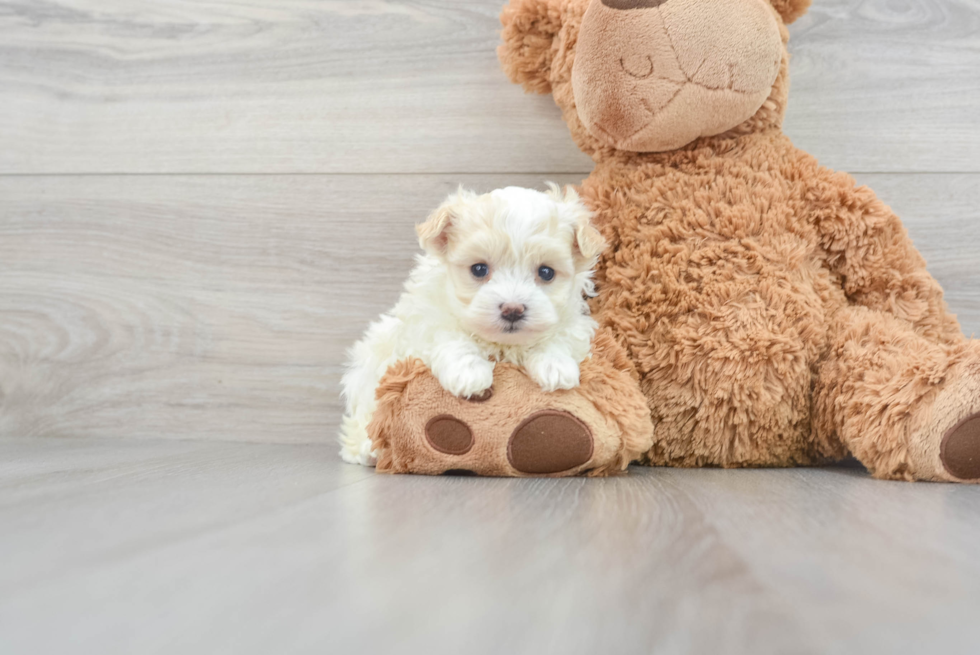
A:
(867, 246)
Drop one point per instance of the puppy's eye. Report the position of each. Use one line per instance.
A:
(480, 270)
(546, 273)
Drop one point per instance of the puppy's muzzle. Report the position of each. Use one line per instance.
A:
(513, 313)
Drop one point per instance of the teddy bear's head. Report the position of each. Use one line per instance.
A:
(653, 75)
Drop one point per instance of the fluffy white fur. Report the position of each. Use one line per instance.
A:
(456, 322)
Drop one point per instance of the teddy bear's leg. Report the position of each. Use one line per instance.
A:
(906, 406)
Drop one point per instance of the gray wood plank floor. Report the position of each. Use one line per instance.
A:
(203, 203)
(180, 547)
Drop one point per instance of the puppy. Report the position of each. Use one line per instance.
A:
(504, 278)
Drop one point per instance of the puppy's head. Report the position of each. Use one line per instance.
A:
(517, 261)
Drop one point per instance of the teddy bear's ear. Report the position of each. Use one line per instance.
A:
(530, 28)
(790, 10)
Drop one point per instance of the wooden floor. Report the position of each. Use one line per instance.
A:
(203, 203)
(134, 546)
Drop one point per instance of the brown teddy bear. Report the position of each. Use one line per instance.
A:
(775, 313)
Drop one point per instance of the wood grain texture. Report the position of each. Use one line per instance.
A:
(197, 307)
(252, 86)
(220, 307)
(885, 86)
(90, 86)
(243, 548)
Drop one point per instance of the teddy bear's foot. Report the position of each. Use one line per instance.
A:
(960, 449)
(518, 431)
(514, 428)
(946, 445)
(545, 443)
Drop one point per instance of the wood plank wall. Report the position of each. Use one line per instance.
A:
(203, 203)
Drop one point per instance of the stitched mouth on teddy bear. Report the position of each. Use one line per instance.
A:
(657, 77)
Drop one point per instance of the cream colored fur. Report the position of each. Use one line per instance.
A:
(451, 320)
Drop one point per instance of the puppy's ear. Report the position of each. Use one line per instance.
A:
(588, 240)
(589, 243)
(434, 232)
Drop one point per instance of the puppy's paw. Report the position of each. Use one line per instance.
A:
(553, 372)
(470, 376)
(355, 446)
(363, 455)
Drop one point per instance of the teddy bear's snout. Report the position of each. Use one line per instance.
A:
(659, 77)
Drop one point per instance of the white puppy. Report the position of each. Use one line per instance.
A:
(504, 279)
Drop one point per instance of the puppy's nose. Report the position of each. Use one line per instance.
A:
(512, 312)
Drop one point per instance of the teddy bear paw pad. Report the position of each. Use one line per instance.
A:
(960, 450)
(447, 434)
(482, 397)
(549, 441)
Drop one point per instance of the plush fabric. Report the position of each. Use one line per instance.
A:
(776, 313)
(718, 75)
(516, 429)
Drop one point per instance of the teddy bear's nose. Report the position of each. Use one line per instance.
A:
(632, 4)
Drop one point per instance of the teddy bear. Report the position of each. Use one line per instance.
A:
(772, 312)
